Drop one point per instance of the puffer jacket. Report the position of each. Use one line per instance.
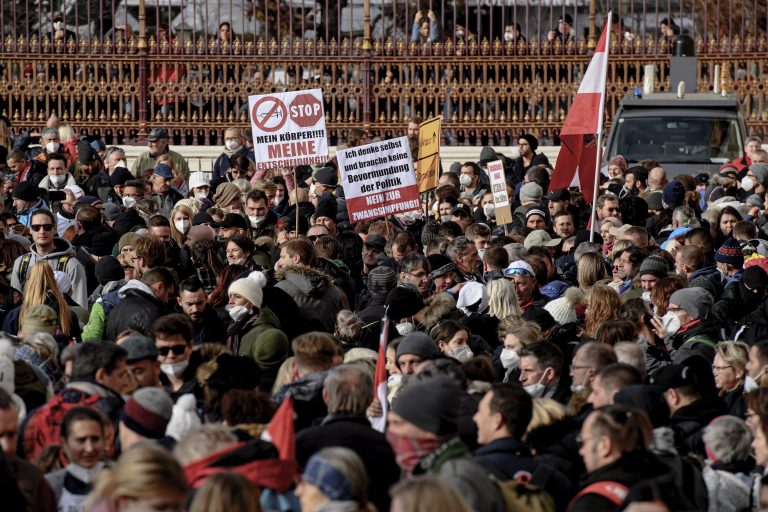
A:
(260, 338)
(313, 291)
(138, 309)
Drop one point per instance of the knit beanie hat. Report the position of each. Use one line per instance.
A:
(487, 154)
(326, 176)
(184, 418)
(108, 268)
(198, 179)
(25, 191)
(147, 412)
(730, 253)
(563, 310)
(654, 265)
(403, 301)
(695, 301)
(381, 280)
(531, 191)
(531, 139)
(619, 162)
(760, 172)
(129, 238)
(430, 405)
(39, 318)
(225, 194)
(320, 473)
(111, 211)
(326, 206)
(250, 287)
(673, 194)
(418, 344)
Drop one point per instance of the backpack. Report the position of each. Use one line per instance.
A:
(611, 491)
(43, 427)
(523, 497)
(61, 265)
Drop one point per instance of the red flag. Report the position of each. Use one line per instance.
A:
(380, 378)
(576, 163)
(280, 430)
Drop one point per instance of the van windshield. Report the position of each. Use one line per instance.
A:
(692, 140)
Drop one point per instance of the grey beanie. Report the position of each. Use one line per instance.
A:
(531, 191)
(695, 301)
(430, 405)
(147, 412)
(381, 280)
(418, 344)
(655, 266)
(760, 172)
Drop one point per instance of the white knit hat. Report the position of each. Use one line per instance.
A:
(184, 418)
(250, 287)
(198, 179)
(563, 310)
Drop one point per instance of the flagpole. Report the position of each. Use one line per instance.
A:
(599, 134)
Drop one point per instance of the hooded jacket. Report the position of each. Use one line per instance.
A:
(689, 422)
(313, 291)
(261, 339)
(735, 303)
(138, 309)
(754, 327)
(73, 268)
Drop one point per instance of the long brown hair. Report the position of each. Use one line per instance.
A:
(604, 304)
(220, 295)
(41, 287)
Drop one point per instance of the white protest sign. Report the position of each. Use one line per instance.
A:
(288, 129)
(378, 179)
(499, 190)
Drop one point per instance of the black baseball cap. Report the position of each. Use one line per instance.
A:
(561, 194)
(231, 220)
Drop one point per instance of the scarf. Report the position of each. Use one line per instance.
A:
(232, 152)
(410, 450)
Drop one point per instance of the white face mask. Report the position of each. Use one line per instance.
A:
(489, 210)
(121, 163)
(509, 36)
(747, 184)
(52, 147)
(462, 354)
(276, 201)
(647, 297)
(312, 190)
(671, 323)
(232, 145)
(394, 380)
(240, 261)
(405, 328)
(751, 384)
(182, 225)
(481, 253)
(465, 180)
(58, 180)
(536, 390)
(445, 218)
(200, 195)
(510, 359)
(174, 370)
(577, 388)
(129, 202)
(237, 312)
(256, 219)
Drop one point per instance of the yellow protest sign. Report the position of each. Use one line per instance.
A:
(428, 162)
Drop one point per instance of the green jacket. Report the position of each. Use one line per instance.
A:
(146, 161)
(264, 342)
(97, 322)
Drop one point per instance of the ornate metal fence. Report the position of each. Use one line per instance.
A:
(492, 68)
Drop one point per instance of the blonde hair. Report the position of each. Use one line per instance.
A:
(604, 304)
(226, 492)
(41, 287)
(545, 412)
(177, 235)
(140, 473)
(349, 327)
(66, 133)
(502, 299)
(527, 332)
(618, 247)
(734, 353)
(427, 494)
(590, 269)
(284, 375)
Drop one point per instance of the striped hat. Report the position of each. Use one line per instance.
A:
(730, 253)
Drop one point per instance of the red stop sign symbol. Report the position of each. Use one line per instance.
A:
(305, 110)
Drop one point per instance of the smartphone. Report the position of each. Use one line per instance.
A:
(647, 320)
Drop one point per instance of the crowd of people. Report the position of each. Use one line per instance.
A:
(229, 340)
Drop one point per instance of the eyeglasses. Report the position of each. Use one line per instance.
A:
(176, 349)
(44, 227)
(718, 369)
(511, 272)
(574, 367)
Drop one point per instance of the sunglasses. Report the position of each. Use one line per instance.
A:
(176, 349)
(37, 227)
(510, 272)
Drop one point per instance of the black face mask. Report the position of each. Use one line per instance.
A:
(751, 298)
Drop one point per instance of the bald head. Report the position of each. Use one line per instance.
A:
(657, 178)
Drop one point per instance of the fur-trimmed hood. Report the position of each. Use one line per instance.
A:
(437, 308)
(308, 280)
